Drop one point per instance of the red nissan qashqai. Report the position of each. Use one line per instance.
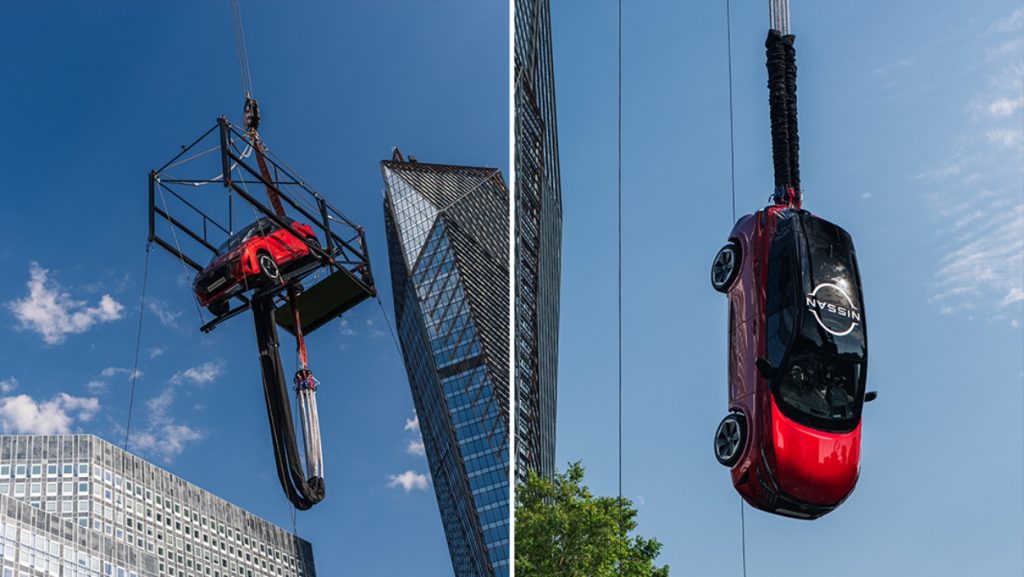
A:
(797, 362)
(252, 258)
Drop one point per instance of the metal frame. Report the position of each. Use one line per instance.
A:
(345, 247)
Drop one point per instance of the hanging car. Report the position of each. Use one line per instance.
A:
(797, 362)
(254, 257)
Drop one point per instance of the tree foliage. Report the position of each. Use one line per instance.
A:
(562, 530)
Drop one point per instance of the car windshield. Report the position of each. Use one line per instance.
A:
(261, 227)
(821, 391)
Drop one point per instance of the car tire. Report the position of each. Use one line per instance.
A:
(726, 267)
(269, 272)
(730, 439)
(218, 309)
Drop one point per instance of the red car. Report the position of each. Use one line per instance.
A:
(797, 362)
(254, 257)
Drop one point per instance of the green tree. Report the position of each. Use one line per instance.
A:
(562, 530)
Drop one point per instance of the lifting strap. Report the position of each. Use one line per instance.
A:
(302, 495)
(303, 492)
(780, 55)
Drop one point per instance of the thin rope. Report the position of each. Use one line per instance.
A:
(619, 259)
(243, 56)
(184, 267)
(732, 132)
(743, 530)
(138, 344)
(387, 321)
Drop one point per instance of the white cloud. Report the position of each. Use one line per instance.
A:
(976, 192)
(113, 371)
(894, 67)
(942, 172)
(96, 387)
(50, 311)
(7, 385)
(166, 316)
(1011, 23)
(167, 441)
(21, 414)
(413, 424)
(201, 375)
(1005, 106)
(155, 352)
(1015, 295)
(408, 480)
(346, 329)
(1005, 137)
(416, 448)
(163, 435)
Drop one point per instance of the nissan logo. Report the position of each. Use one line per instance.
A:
(833, 308)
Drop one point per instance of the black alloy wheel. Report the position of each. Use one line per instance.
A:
(268, 268)
(726, 267)
(730, 439)
(218, 308)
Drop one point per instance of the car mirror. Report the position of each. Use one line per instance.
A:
(764, 366)
(870, 396)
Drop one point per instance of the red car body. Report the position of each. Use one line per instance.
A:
(797, 362)
(237, 267)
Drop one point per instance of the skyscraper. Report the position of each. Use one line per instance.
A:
(538, 257)
(447, 229)
(78, 504)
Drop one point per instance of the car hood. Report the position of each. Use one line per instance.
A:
(812, 465)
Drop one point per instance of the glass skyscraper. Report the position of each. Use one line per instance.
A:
(77, 506)
(538, 257)
(447, 229)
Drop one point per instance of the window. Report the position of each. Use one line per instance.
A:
(51, 488)
(83, 469)
(67, 488)
(820, 391)
(37, 470)
(51, 470)
(68, 470)
(5, 471)
(20, 471)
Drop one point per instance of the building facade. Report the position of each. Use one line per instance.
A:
(447, 229)
(538, 256)
(77, 506)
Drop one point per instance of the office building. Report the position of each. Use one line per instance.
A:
(447, 229)
(538, 256)
(76, 505)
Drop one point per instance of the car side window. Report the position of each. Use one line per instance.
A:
(781, 294)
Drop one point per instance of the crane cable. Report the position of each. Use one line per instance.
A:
(732, 167)
(618, 212)
(303, 493)
(243, 55)
(138, 344)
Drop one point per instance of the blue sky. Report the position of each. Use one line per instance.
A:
(911, 133)
(94, 96)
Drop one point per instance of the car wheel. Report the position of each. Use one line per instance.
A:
(726, 267)
(730, 439)
(218, 308)
(268, 268)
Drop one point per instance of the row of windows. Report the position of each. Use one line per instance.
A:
(45, 489)
(35, 470)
